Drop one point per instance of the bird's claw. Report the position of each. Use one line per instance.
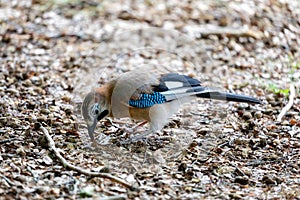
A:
(91, 145)
(140, 139)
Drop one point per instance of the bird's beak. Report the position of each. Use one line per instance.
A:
(91, 129)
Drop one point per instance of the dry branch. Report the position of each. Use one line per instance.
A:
(210, 29)
(11, 183)
(80, 170)
(290, 103)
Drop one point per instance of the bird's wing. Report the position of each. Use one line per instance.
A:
(173, 86)
(129, 86)
(164, 88)
(146, 87)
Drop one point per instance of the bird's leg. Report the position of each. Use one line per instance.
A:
(91, 144)
(141, 137)
(94, 143)
(133, 130)
(139, 125)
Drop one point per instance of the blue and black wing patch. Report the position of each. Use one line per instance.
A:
(149, 95)
(148, 100)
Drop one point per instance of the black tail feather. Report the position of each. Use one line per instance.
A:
(212, 94)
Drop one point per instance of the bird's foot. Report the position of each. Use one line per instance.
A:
(141, 137)
(91, 145)
(137, 139)
(143, 140)
(131, 130)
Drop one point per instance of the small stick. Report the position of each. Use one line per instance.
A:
(11, 183)
(116, 197)
(290, 103)
(81, 170)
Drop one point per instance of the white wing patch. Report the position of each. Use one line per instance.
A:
(173, 84)
(182, 92)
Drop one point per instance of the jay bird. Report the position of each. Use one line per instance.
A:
(150, 95)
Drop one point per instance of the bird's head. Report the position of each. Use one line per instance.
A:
(94, 108)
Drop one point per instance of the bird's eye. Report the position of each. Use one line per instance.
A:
(95, 109)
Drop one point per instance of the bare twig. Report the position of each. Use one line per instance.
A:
(290, 103)
(117, 197)
(210, 29)
(11, 183)
(80, 170)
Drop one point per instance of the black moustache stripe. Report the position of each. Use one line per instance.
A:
(102, 115)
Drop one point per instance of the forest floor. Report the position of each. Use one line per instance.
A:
(52, 53)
